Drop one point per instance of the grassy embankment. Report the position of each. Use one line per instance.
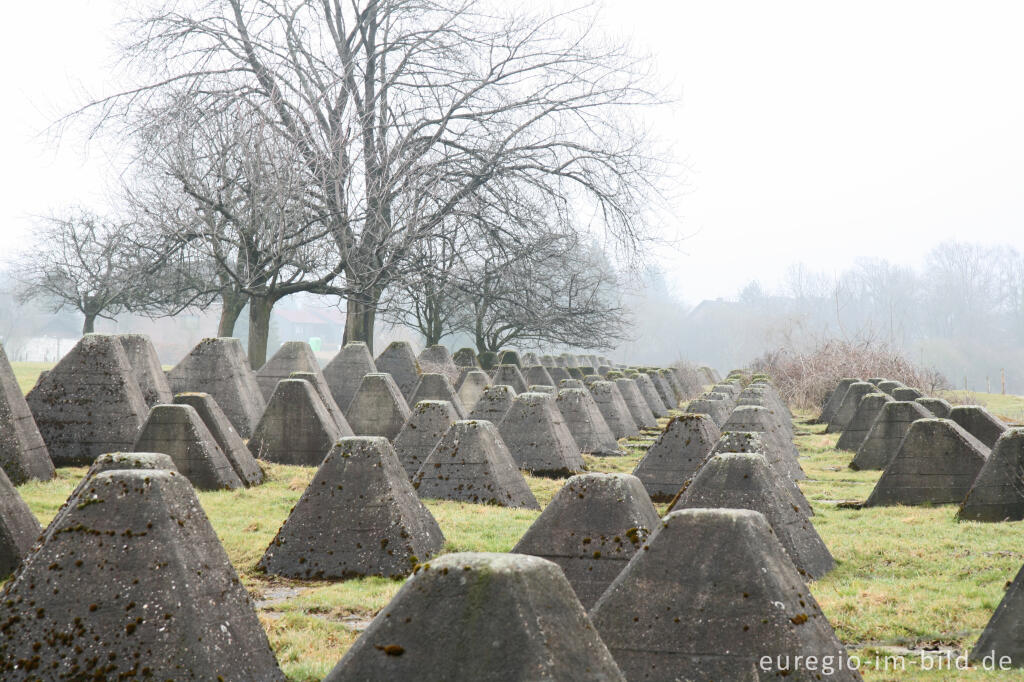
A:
(907, 580)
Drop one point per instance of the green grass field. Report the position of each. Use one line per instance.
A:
(1009, 407)
(908, 580)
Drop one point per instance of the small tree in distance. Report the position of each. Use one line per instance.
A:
(97, 266)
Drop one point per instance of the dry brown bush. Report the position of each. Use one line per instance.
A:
(806, 378)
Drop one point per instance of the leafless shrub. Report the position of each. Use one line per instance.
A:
(805, 378)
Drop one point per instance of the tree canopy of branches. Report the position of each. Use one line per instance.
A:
(223, 186)
(100, 268)
(506, 287)
(394, 113)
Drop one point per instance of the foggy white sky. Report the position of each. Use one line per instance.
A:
(811, 131)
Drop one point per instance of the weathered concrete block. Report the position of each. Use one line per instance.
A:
(613, 408)
(509, 375)
(524, 603)
(529, 359)
(472, 464)
(886, 434)
(671, 381)
(935, 464)
(766, 395)
(230, 443)
(323, 391)
(538, 375)
(472, 389)
(905, 393)
(782, 454)
(586, 424)
(724, 398)
(538, 438)
(179, 432)
(291, 357)
(220, 367)
(729, 388)
(18, 527)
(677, 455)
(427, 424)
(493, 404)
(676, 613)
(997, 493)
(346, 370)
(857, 429)
(1001, 636)
(295, 428)
(718, 410)
(937, 406)
(746, 481)
(23, 454)
(752, 442)
(663, 390)
(591, 529)
(638, 407)
(377, 408)
(650, 394)
(111, 461)
(146, 369)
(558, 374)
(435, 386)
(89, 403)
(848, 408)
(132, 581)
(889, 386)
(547, 361)
(835, 399)
(359, 516)
(436, 359)
(979, 422)
(399, 360)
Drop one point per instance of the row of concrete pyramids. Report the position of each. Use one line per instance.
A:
(388, 521)
(97, 398)
(595, 416)
(604, 533)
(93, 401)
(933, 453)
(90, 403)
(690, 649)
(670, 613)
(930, 452)
(109, 394)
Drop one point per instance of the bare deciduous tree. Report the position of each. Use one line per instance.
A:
(99, 267)
(222, 185)
(401, 110)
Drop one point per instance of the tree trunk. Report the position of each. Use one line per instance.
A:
(232, 305)
(478, 334)
(89, 326)
(360, 316)
(259, 329)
